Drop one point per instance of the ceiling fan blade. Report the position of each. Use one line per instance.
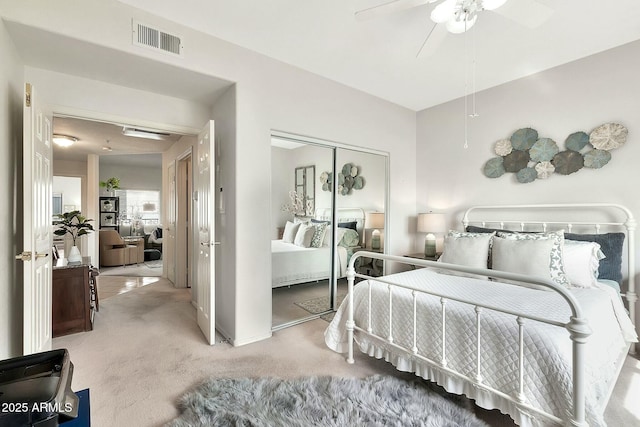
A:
(389, 7)
(528, 13)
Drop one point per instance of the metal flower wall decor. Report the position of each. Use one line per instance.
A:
(531, 157)
(348, 180)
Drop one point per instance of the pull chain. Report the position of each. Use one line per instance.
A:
(466, 88)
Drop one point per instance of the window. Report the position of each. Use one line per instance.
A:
(143, 205)
(57, 203)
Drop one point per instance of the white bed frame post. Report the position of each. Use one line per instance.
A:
(580, 331)
(350, 324)
(631, 295)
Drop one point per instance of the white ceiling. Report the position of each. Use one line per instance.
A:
(378, 55)
(42, 49)
(93, 136)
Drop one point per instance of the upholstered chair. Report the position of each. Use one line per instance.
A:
(114, 251)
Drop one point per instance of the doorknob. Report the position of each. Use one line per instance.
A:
(24, 256)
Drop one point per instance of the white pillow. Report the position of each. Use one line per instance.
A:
(339, 234)
(468, 249)
(304, 235)
(555, 266)
(581, 262)
(290, 230)
(530, 257)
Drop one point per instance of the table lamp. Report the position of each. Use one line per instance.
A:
(430, 223)
(375, 221)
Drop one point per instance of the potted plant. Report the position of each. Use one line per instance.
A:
(111, 184)
(76, 225)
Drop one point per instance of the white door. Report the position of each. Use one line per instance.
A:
(170, 228)
(37, 205)
(204, 228)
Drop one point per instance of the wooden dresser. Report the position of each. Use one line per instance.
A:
(73, 299)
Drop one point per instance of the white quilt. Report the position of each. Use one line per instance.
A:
(292, 264)
(548, 348)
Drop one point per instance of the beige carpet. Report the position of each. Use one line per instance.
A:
(146, 350)
(147, 269)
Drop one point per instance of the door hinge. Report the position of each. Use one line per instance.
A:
(28, 95)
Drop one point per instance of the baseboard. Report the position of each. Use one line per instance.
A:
(238, 343)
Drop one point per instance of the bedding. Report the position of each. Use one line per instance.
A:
(548, 351)
(611, 245)
(292, 264)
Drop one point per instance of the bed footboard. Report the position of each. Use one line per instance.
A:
(576, 325)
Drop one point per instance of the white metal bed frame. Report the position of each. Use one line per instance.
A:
(577, 326)
(344, 215)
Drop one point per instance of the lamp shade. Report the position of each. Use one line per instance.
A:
(431, 223)
(374, 220)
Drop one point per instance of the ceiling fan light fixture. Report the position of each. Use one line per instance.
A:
(64, 140)
(444, 11)
(143, 133)
(460, 15)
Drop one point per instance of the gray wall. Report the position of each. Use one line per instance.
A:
(577, 96)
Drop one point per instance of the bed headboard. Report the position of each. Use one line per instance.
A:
(344, 215)
(593, 218)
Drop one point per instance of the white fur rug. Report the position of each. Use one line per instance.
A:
(320, 401)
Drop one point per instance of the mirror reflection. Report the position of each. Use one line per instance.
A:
(318, 224)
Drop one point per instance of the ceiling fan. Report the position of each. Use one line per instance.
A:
(460, 15)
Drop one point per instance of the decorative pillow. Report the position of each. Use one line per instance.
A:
(318, 234)
(468, 249)
(350, 224)
(349, 239)
(304, 235)
(158, 233)
(290, 230)
(555, 265)
(319, 221)
(524, 256)
(611, 245)
(581, 262)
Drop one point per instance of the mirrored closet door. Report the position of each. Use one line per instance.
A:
(324, 198)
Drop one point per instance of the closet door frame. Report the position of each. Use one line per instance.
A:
(335, 146)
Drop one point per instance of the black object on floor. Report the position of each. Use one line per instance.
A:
(35, 390)
(152, 254)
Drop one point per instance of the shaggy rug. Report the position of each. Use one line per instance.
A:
(320, 401)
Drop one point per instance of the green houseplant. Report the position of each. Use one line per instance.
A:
(111, 184)
(76, 225)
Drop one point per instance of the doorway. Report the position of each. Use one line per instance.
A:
(183, 231)
(67, 197)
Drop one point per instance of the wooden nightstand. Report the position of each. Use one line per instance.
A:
(369, 266)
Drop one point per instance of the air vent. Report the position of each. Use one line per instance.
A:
(144, 35)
